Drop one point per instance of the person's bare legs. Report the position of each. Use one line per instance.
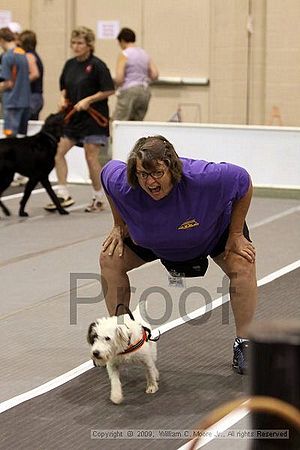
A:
(114, 278)
(243, 289)
(61, 167)
(92, 158)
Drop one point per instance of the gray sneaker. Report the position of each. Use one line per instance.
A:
(240, 356)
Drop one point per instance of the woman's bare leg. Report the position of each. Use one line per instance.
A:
(61, 166)
(92, 158)
(115, 281)
(242, 291)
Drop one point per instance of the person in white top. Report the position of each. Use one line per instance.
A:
(134, 71)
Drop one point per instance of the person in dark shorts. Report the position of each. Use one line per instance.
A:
(85, 83)
(180, 211)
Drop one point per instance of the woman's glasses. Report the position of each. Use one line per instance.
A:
(144, 175)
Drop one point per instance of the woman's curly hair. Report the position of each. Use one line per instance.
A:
(149, 150)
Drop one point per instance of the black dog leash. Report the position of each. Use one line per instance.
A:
(126, 309)
(147, 330)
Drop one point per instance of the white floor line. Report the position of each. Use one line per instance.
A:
(46, 387)
(40, 191)
(78, 207)
(64, 378)
(235, 416)
(20, 194)
(219, 427)
(275, 217)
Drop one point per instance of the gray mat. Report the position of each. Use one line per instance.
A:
(194, 361)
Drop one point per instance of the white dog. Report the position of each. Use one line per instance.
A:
(118, 339)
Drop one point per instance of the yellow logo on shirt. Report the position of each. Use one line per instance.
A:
(19, 51)
(188, 224)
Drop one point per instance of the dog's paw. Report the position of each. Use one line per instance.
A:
(152, 388)
(23, 214)
(116, 398)
(63, 212)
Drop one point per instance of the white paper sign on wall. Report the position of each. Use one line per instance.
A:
(108, 29)
(5, 18)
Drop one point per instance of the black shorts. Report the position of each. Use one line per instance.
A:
(195, 267)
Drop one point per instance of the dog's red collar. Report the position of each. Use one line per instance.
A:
(136, 345)
(145, 337)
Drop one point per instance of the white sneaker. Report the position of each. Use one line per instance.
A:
(95, 206)
(19, 180)
(65, 202)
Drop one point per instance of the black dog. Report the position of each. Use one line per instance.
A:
(33, 157)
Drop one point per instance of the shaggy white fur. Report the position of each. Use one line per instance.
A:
(109, 337)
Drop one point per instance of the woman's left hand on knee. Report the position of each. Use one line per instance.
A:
(241, 246)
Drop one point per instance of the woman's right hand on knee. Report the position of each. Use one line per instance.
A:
(114, 241)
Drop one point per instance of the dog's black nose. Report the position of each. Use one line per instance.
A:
(96, 353)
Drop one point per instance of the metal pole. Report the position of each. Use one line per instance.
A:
(275, 372)
(249, 44)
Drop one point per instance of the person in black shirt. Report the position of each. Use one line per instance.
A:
(85, 82)
(28, 43)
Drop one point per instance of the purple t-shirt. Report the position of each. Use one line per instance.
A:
(189, 221)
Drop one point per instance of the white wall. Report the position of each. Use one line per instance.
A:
(270, 154)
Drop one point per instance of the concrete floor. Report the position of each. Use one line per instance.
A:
(40, 339)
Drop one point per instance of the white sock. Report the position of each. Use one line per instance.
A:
(62, 191)
(238, 340)
(99, 195)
